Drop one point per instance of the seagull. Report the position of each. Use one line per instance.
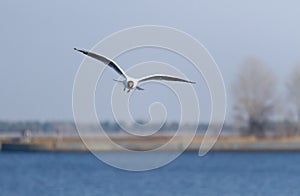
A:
(130, 83)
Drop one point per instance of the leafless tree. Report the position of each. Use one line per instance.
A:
(293, 86)
(254, 95)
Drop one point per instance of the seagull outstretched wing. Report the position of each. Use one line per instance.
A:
(105, 60)
(163, 77)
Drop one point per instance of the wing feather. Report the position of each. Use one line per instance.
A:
(164, 77)
(105, 60)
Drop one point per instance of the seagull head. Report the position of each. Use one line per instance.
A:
(130, 84)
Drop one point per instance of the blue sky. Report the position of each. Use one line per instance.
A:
(38, 64)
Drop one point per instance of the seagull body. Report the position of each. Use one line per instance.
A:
(130, 83)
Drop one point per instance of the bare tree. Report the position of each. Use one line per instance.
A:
(254, 95)
(293, 86)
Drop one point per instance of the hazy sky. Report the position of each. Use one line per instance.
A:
(38, 64)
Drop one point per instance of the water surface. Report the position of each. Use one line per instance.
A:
(35, 174)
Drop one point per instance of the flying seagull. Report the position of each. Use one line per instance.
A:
(130, 83)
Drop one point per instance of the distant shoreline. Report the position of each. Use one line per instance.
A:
(75, 144)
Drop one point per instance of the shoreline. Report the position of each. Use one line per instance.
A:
(75, 144)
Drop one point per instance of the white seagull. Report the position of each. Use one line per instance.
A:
(130, 83)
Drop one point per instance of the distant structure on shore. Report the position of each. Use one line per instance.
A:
(26, 135)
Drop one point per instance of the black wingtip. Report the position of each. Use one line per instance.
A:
(82, 51)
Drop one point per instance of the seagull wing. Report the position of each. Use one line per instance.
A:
(163, 77)
(105, 60)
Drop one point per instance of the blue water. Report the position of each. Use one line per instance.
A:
(37, 174)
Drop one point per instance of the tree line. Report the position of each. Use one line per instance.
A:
(65, 127)
(260, 106)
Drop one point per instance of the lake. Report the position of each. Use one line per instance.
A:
(218, 173)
